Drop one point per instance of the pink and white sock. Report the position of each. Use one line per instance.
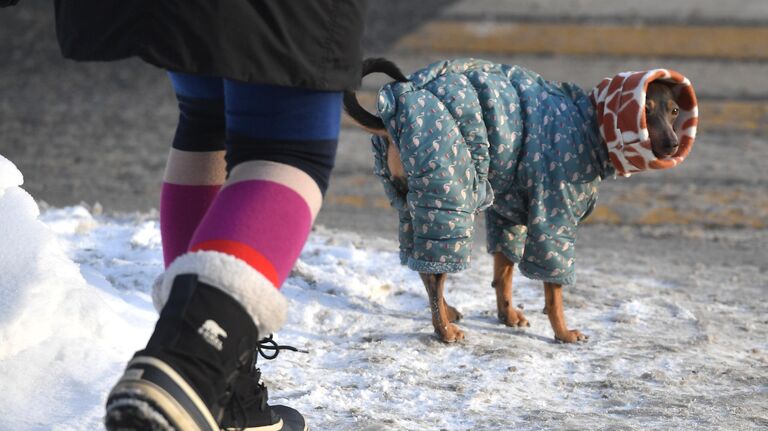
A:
(192, 181)
(250, 238)
(181, 209)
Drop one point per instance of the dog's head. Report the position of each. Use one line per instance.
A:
(661, 112)
(647, 119)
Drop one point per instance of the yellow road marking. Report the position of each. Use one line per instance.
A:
(603, 215)
(727, 216)
(723, 217)
(357, 201)
(725, 42)
(734, 115)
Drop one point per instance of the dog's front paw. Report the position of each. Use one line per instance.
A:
(571, 336)
(449, 333)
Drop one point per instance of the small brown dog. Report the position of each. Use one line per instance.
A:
(661, 115)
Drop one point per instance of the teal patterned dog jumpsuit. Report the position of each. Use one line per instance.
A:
(475, 135)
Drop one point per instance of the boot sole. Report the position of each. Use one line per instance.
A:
(274, 427)
(153, 396)
(294, 421)
(290, 420)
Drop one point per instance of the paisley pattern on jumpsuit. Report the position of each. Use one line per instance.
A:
(476, 135)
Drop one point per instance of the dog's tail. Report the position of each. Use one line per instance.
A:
(351, 104)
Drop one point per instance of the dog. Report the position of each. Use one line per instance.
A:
(505, 153)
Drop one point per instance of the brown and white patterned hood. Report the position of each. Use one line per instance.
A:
(620, 104)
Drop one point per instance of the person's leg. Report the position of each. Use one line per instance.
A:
(222, 295)
(195, 170)
(281, 143)
(177, 381)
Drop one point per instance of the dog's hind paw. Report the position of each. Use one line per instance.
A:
(449, 333)
(572, 336)
(514, 318)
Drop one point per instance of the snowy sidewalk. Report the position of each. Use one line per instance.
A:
(660, 356)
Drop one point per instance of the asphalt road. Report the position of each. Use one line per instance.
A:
(99, 133)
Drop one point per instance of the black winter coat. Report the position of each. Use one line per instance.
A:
(304, 43)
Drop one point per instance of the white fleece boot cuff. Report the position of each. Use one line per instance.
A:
(260, 298)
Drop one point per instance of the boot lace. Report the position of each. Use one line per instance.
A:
(255, 393)
(268, 344)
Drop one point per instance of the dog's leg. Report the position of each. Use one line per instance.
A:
(553, 296)
(502, 283)
(446, 331)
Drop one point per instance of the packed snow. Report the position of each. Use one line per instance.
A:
(75, 304)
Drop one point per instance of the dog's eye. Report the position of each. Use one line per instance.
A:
(675, 111)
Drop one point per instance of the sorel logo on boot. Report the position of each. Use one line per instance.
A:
(213, 334)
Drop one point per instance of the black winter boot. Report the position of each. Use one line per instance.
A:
(248, 409)
(183, 379)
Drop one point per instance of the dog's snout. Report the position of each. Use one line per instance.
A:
(663, 139)
(671, 139)
(672, 142)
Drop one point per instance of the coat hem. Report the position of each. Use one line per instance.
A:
(567, 280)
(436, 267)
(511, 257)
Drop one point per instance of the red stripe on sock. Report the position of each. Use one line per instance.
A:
(243, 252)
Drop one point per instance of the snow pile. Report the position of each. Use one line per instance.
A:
(75, 305)
(62, 339)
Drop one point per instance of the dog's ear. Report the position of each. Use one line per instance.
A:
(364, 118)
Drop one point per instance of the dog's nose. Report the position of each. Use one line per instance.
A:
(672, 143)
